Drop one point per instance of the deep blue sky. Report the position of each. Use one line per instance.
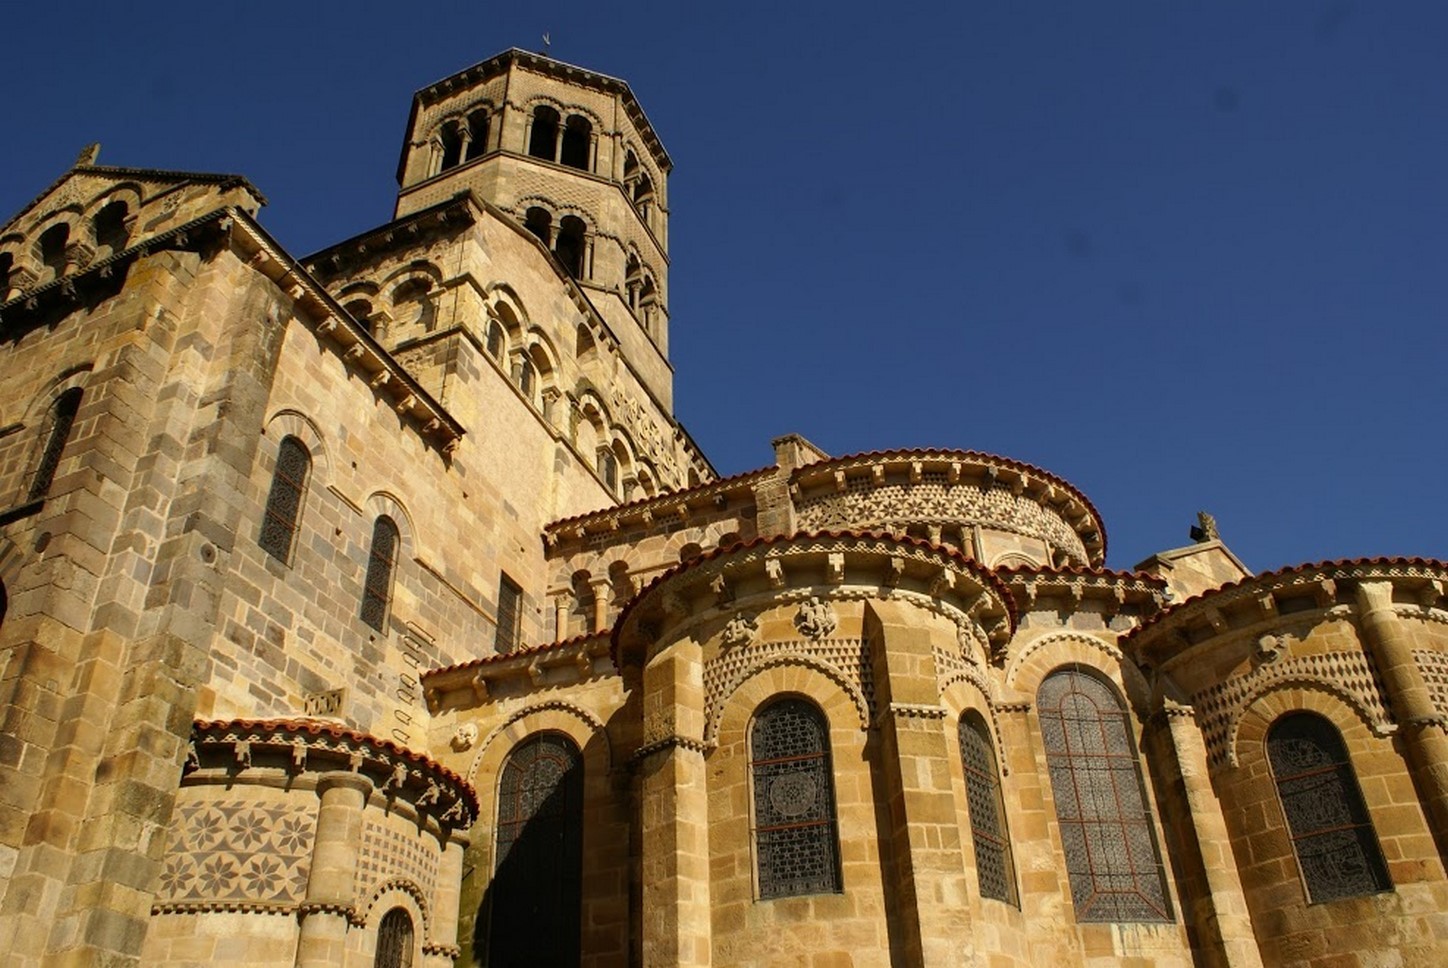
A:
(1185, 255)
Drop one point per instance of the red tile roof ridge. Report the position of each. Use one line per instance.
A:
(638, 503)
(762, 540)
(1283, 572)
(973, 455)
(337, 731)
(501, 657)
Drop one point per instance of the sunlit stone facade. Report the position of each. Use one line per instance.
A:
(371, 608)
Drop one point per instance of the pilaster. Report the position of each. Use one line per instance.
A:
(930, 886)
(675, 810)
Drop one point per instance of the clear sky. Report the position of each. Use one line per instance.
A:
(1184, 255)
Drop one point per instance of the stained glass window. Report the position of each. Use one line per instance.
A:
(1331, 831)
(284, 503)
(381, 562)
(796, 843)
(62, 419)
(536, 893)
(394, 940)
(1112, 860)
(993, 865)
(510, 597)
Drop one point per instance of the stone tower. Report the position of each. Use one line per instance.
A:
(571, 155)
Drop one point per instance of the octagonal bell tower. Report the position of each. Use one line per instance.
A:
(570, 155)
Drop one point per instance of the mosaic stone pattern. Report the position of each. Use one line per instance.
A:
(388, 853)
(848, 657)
(233, 850)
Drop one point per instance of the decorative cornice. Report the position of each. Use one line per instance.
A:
(776, 566)
(354, 345)
(704, 500)
(567, 662)
(203, 907)
(314, 746)
(1268, 599)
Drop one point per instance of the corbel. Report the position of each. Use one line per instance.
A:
(1215, 620)
(719, 585)
(1324, 592)
(1429, 594)
(917, 471)
(835, 568)
(1268, 605)
(479, 686)
(774, 572)
(952, 473)
(894, 571)
(839, 481)
(877, 475)
(1018, 486)
(941, 582)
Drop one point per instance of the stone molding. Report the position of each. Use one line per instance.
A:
(588, 718)
(827, 565)
(303, 746)
(1256, 604)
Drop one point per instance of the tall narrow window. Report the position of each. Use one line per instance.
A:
(570, 245)
(452, 145)
(1112, 861)
(993, 865)
(510, 600)
(284, 503)
(536, 893)
(477, 134)
(577, 143)
(796, 845)
(61, 421)
(1331, 831)
(52, 244)
(110, 227)
(495, 341)
(543, 140)
(394, 940)
(540, 223)
(381, 563)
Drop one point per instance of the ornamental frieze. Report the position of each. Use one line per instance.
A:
(862, 505)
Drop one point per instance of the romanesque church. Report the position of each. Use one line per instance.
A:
(371, 608)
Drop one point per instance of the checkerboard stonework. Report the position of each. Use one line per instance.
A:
(371, 608)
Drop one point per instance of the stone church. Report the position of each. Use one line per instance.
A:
(372, 608)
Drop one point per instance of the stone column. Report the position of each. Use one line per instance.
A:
(675, 811)
(931, 891)
(331, 887)
(600, 588)
(1421, 726)
(442, 947)
(1221, 919)
(560, 616)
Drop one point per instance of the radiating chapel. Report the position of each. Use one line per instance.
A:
(371, 608)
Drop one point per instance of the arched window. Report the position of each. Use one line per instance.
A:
(495, 340)
(570, 245)
(361, 311)
(477, 134)
(7, 265)
(543, 140)
(608, 468)
(536, 892)
(993, 865)
(61, 421)
(1332, 834)
(527, 376)
(394, 940)
(1112, 861)
(110, 227)
(633, 281)
(540, 223)
(796, 845)
(284, 503)
(452, 146)
(381, 563)
(52, 243)
(577, 143)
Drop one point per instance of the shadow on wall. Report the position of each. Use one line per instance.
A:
(530, 912)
